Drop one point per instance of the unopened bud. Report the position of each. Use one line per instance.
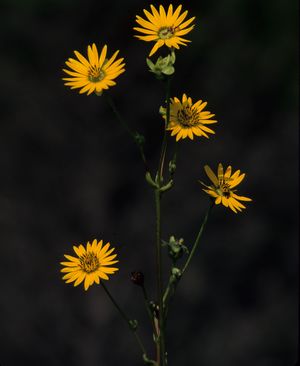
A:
(139, 139)
(163, 66)
(176, 248)
(172, 167)
(133, 324)
(137, 278)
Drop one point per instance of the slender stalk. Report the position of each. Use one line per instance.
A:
(134, 135)
(149, 312)
(191, 254)
(165, 141)
(126, 319)
(161, 361)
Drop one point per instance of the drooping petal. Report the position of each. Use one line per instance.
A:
(211, 175)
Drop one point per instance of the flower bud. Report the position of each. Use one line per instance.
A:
(163, 66)
(172, 167)
(139, 139)
(176, 248)
(137, 278)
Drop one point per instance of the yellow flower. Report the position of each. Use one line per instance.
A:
(91, 264)
(95, 73)
(222, 188)
(165, 28)
(188, 119)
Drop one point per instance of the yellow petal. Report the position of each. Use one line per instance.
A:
(156, 15)
(144, 23)
(111, 60)
(157, 45)
(220, 171)
(176, 14)
(91, 56)
(184, 31)
(218, 200)
(70, 264)
(241, 198)
(109, 269)
(152, 19)
(102, 275)
(224, 201)
(228, 172)
(86, 282)
(186, 23)
(146, 31)
(237, 181)
(82, 59)
(80, 278)
(163, 15)
(180, 19)
(71, 258)
(170, 12)
(102, 56)
(211, 175)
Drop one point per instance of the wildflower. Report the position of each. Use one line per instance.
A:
(91, 264)
(222, 188)
(165, 28)
(95, 73)
(188, 119)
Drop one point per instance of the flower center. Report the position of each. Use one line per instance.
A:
(188, 117)
(89, 262)
(224, 189)
(95, 74)
(166, 32)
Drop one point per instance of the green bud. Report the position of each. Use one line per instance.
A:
(133, 324)
(172, 167)
(162, 110)
(176, 248)
(163, 66)
(139, 139)
(176, 272)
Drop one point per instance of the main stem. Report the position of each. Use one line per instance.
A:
(161, 361)
(161, 340)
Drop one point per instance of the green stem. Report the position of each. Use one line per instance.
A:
(165, 141)
(149, 312)
(134, 135)
(162, 359)
(166, 298)
(191, 254)
(126, 319)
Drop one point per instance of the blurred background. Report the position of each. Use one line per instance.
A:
(70, 174)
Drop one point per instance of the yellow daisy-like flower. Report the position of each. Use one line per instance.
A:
(91, 264)
(188, 119)
(222, 188)
(95, 73)
(164, 28)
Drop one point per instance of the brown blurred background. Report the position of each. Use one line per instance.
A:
(70, 174)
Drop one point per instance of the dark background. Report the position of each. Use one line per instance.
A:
(69, 173)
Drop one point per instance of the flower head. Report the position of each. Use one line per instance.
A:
(188, 119)
(164, 28)
(92, 263)
(222, 187)
(95, 73)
